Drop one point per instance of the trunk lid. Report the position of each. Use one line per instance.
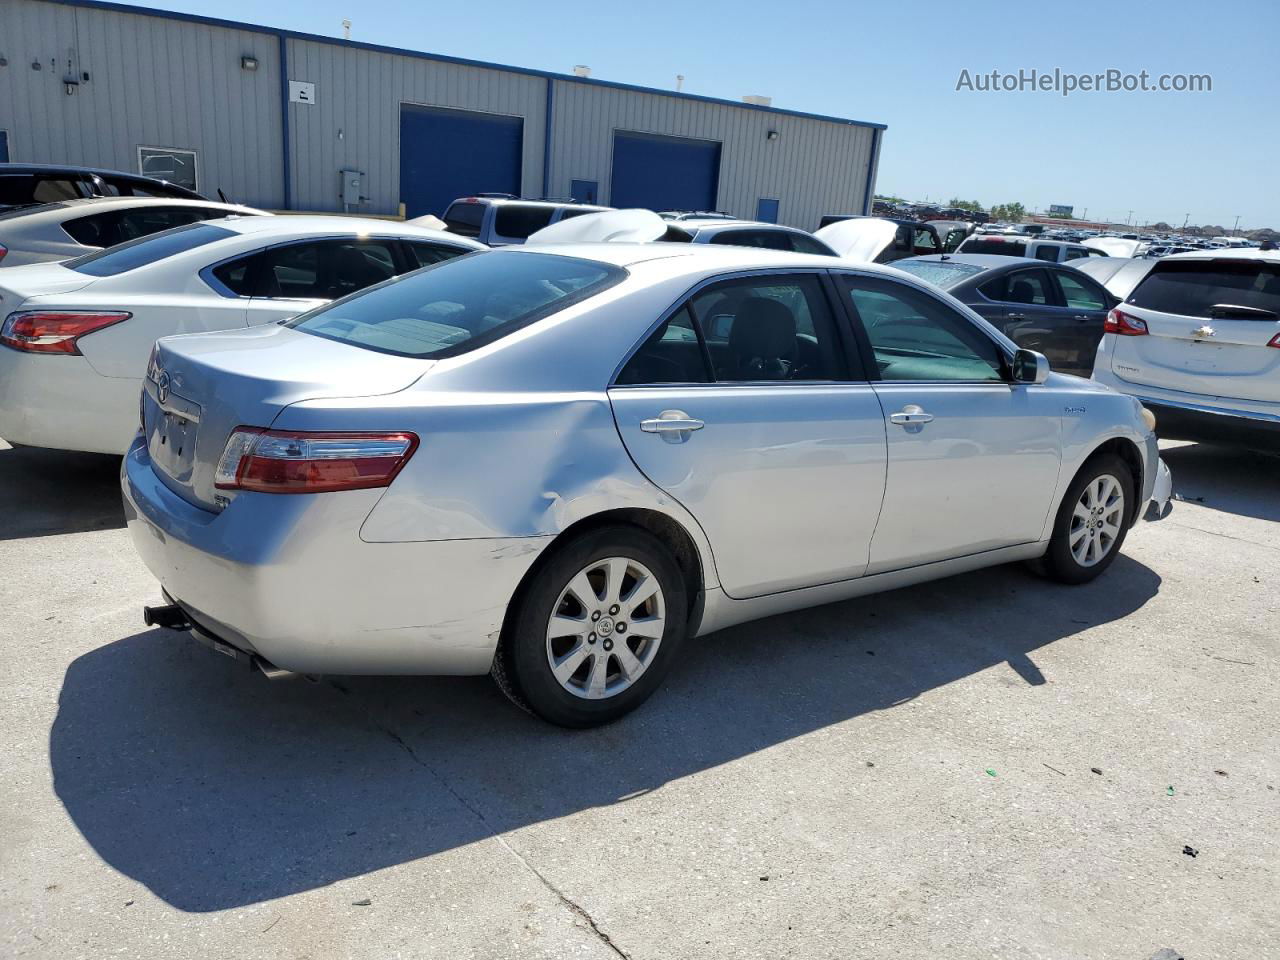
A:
(19, 284)
(200, 387)
(1197, 343)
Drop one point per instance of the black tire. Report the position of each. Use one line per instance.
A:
(1059, 562)
(522, 667)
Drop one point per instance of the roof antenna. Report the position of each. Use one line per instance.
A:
(346, 29)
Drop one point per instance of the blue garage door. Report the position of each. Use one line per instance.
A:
(446, 154)
(664, 173)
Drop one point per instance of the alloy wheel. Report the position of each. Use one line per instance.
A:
(605, 628)
(1096, 520)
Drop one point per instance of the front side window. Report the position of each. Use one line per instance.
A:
(925, 242)
(324, 269)
(147, 250)
(915, 337)
(1046, 252)
(1024, 286)
(144, 221)
(460, 304)
(1080, 295)
(761, 329)
(517, 220)
(423, 254)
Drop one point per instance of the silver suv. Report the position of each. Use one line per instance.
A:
(500, 220)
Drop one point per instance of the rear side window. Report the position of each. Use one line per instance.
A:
(1192, 288)
(323, 269)
(465, 219)
(147, 250)
(98, 230)
(996, 245)
(518, 220)
(425, 254)
(460, 304)
(148, 220)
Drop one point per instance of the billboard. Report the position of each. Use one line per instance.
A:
(1061, 210)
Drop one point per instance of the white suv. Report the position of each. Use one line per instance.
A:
(1198, 342)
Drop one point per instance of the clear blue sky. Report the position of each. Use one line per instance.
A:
(1162, 155)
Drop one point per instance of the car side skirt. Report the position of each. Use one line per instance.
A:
(720, 611)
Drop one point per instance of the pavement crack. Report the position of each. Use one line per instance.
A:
(1225, 536)
(566, 901)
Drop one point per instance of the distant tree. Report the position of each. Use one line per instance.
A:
(971, 205)
(1013, 212)
(1160, 227)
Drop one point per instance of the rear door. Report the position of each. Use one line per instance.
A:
(973, 459)
(743, 407)
(1082, 307)
(1213, 328)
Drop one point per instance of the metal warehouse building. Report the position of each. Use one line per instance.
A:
(273, 118)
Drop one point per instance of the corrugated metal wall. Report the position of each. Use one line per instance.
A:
(157, 81)
(813, 167)
(152, 82)
(359, 92)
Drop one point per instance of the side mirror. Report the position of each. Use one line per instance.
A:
(1030, 367)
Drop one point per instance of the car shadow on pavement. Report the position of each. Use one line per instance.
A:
(1232, 479)
(216, 788)
(46, 492)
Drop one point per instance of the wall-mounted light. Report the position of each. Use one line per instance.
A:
(248, 63)
(771, 135)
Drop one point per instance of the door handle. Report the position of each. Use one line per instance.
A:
(1016, 316)
(1083, 316)
(673, 425)
(911, 414)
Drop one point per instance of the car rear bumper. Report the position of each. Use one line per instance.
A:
(1191, 416)
(288, 579)
(63, 403)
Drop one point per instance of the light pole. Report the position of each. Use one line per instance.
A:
(1184, 221)
(1129, 222)
(1235, 231)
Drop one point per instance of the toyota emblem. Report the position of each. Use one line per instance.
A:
(162, 386)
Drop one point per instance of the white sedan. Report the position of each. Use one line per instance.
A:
(72, 228)
(76, 335)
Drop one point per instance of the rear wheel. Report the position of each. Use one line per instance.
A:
(596, 629)
(1092, 521)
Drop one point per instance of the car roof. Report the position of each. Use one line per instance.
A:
(1229, 253)
(287, 225)
(719, 225)
(94, 204)
(987, 261)
(684, 258)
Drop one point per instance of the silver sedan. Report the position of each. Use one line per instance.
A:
(556, 463)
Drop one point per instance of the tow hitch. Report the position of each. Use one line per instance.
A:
(170, 615)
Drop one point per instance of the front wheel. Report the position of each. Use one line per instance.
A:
(596, 629)
(1092, 521)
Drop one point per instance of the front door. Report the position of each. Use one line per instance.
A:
(972, 459)
(742, 407)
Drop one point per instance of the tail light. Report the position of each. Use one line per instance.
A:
(4, 251)
(284, 461)
(1274, 341)
(1124, 324)
(55, 331)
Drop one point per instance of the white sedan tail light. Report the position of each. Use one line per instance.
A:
(55, 331)
(285, 461)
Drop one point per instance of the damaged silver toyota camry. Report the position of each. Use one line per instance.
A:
(556, 463)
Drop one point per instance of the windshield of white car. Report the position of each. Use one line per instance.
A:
(460, 304)
(941, 273)
(147, 250)
(1194, 288)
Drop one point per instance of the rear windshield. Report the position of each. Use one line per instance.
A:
(997, 245)
(147, 250)
(460, 304)
(1191, 288)
(464, 219)
(941, 273)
